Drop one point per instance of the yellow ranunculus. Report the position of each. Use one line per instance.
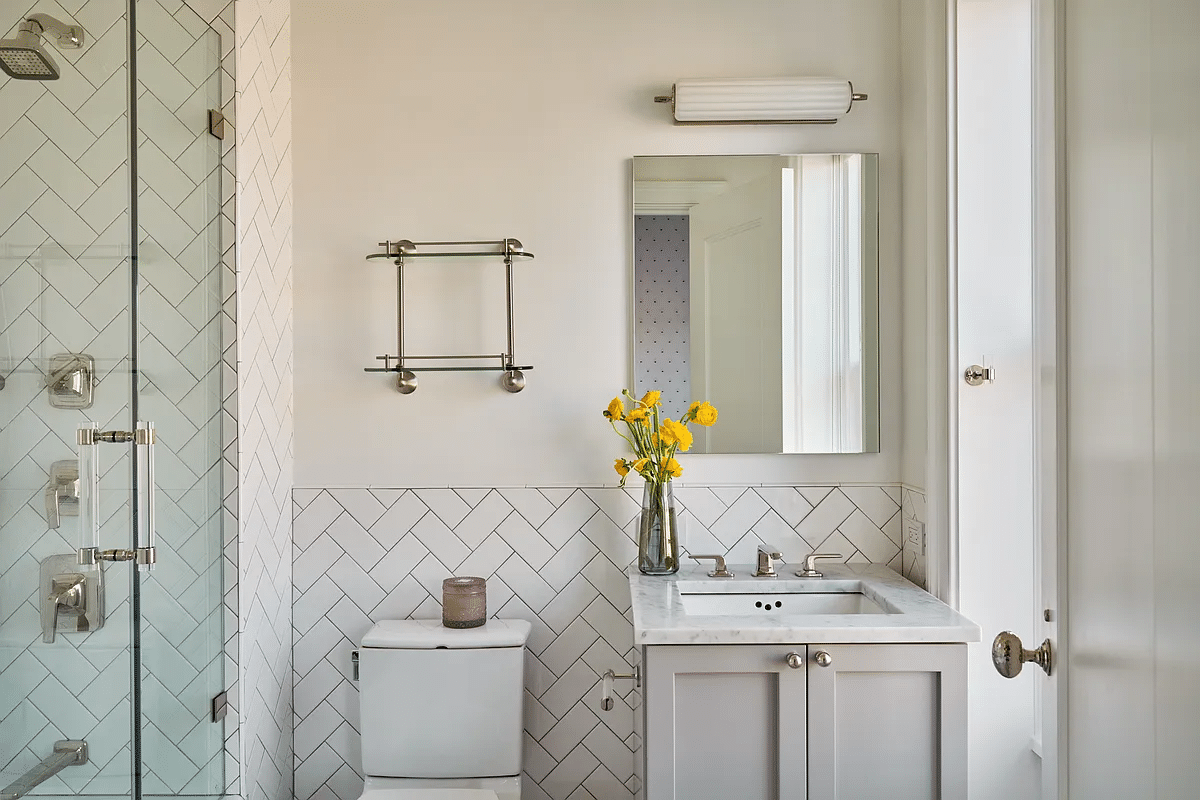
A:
(691, 412)
(706, 414)
(640, 464)
(621, 466)
(651, 399)
(637, 415)
(673, 432)
(672, 468)
(615, 410)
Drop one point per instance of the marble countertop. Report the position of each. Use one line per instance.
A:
(913, 615)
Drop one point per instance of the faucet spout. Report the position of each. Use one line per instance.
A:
(767, 556)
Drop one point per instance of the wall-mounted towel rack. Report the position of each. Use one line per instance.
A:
(513, 377)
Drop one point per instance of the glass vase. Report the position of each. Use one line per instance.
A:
(658, 536)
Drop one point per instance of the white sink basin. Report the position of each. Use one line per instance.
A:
(768, 603)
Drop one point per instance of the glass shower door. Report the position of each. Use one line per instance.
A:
(181, 330)
(99, 328)
(65, 355)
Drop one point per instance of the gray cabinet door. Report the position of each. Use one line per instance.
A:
(887, 721)
(725, 722)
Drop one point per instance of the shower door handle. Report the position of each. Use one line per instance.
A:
(89, 490)
(143, 438)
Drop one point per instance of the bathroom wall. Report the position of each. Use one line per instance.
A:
(264, 394)
(64, 286)
(521, 121)
(555, 556)
(463, 133)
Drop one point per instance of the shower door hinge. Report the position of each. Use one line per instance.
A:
(220, 706)
(216, 123)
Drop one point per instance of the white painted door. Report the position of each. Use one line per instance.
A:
(737, 322)
(1001, 496)
(1133, 197)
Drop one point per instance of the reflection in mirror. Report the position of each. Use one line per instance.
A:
(756, 288)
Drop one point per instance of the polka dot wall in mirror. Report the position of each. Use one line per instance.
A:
(755, 287)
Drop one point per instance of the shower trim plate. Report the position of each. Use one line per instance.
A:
(71, 380)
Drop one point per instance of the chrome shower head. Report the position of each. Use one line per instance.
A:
(24, 58)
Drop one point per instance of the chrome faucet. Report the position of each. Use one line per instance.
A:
(767, 556)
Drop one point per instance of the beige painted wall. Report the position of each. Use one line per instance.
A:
(430, 120)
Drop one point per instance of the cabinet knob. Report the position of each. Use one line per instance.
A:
(822, 658)
(794, 660)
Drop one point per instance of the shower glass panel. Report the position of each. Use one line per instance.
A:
(179, 387)
(101, 325)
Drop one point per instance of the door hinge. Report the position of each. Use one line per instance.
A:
(220, 706)
(216, 123)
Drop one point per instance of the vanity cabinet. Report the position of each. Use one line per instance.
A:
(769, 721)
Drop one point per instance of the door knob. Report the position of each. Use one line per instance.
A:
(822, 658)
(1008, 654)
(794, 660)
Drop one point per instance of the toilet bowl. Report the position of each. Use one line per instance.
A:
(442, 710)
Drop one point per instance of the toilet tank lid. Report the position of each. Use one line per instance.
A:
(429, 634)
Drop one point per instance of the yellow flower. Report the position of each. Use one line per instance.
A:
(615, 410)
(706, 414)
(672, 468)
(640, 464)
(621, 467)
(673, 432)
(651, 399)
(637, 415)
(691, 412)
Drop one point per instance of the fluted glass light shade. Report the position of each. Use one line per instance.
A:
(762, 100)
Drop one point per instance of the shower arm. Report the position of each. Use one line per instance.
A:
(66, 37)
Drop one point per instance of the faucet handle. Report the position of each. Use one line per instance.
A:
(810, 564)
(719, 570)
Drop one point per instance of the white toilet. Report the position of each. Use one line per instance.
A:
(442, 710)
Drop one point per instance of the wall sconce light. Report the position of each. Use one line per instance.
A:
(746, 101)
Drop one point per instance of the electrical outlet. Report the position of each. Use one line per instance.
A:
(914, 535)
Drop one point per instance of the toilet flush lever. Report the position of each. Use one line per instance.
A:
(606, 701)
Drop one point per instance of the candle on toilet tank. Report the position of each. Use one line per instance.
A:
(464, 602)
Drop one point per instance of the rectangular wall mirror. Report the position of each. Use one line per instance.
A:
(755, 287)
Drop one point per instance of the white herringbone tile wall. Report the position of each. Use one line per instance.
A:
(264, 377)
(64, 286)
(912, 507)
(556, 557)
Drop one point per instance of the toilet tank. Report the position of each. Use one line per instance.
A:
(441, 702)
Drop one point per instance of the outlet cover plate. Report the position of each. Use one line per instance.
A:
(914, 536)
